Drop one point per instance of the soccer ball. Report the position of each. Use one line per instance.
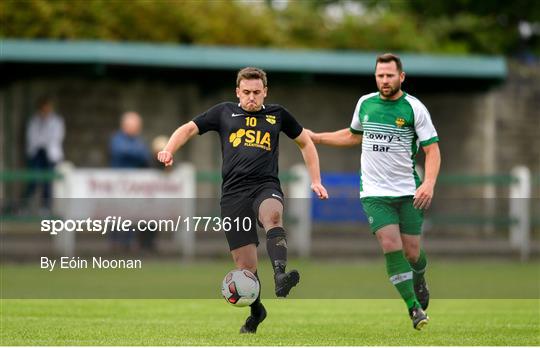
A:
(240, 288)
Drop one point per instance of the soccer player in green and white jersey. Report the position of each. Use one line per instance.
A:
(392, 125)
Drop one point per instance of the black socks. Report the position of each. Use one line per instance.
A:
(256, 305)
(276, 246)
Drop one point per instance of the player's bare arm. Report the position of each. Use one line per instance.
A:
(178, 139)
(342, 138)
(424, 193)
(311, 158)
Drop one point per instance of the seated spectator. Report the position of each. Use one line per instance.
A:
(127, 148)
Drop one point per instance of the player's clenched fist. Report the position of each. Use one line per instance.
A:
(165, 157)
(320, 191)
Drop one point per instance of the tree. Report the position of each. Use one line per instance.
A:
(459, 26)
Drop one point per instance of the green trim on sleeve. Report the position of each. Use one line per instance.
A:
(429, 141)
(354, 131)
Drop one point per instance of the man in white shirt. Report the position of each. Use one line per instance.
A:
(44, 136)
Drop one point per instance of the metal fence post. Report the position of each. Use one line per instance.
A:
(520, 192)
(300, 209)
(186, 239)
(64, 242)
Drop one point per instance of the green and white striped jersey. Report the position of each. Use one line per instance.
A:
(392, 131)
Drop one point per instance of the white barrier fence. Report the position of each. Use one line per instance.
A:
(181, 183)
(520, 193)
(106, 190)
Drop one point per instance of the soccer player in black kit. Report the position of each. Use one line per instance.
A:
(249, 133)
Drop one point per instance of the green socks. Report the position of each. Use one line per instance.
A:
(401, 275)
(419, 267)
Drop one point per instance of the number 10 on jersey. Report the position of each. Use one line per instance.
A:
(251, 121)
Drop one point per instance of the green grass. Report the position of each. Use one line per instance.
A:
(173, 303)
(290, 322)
(202, 280)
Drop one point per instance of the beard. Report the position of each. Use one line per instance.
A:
(389, 93)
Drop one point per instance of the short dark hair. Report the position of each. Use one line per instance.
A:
(251, 73)
(389, 57)
(43, 100)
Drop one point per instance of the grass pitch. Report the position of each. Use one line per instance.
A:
(289, 322)
(487, 279)
(336, 303)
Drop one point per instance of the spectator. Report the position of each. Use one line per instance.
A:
(44, 137)
(127, 149)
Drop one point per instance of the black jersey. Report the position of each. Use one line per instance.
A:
(249, 142)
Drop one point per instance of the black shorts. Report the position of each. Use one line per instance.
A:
(240, 212)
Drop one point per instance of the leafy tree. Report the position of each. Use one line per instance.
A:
(458, 26)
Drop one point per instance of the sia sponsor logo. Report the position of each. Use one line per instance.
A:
(251, 138)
